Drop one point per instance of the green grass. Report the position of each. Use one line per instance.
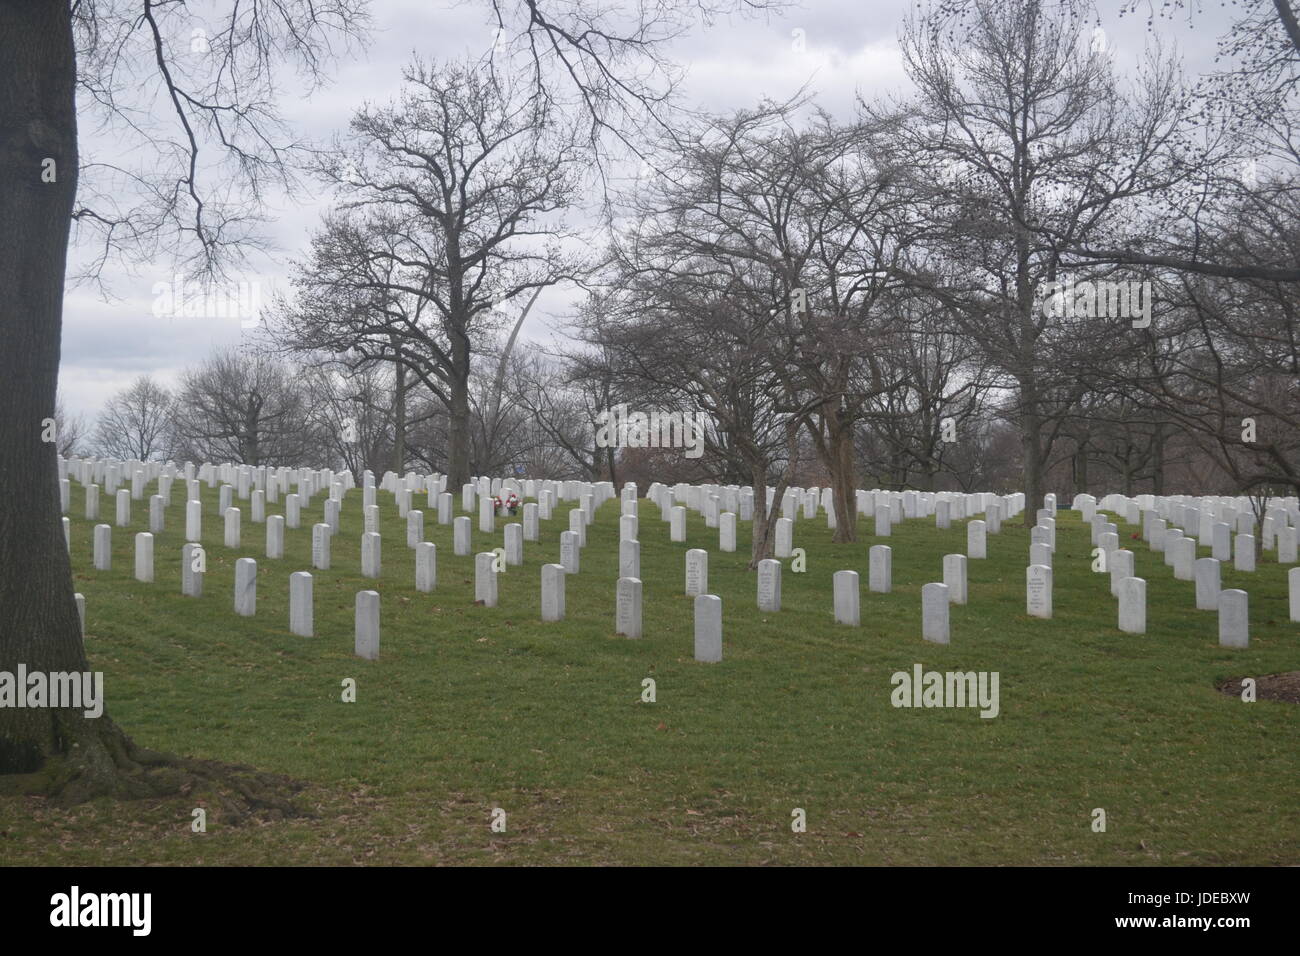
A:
(470, 708)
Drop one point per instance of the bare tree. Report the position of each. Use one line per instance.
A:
(1033, 150)
(222, 105)
(136, 423)
(246, 408)
(71, 431)
(195, 192)
(452, 210)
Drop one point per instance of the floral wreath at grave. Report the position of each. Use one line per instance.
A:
(507, 505)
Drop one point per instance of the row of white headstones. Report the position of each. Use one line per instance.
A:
(886, 507)
(1213, 520)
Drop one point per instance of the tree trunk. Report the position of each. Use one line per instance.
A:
(1158, 461)
(763, 538)
(39, 626)
(458, 437)
(1081, 468)
(843, 481)
(761, 543)
(399, 419)
(458, 417)
(1031, 428)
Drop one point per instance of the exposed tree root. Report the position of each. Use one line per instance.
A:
(99, 760)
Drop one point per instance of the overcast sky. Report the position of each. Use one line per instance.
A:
(848, 46)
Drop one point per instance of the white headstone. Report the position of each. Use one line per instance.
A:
(320, 547)
(192, 570)
(300, 604)
(1172, 537)
(1221, 541)
(1234, 618)
(144, 557)
(232, 528)
(934, 613)
(844, 585)
(880, 577)
(954, 575)
(193, 520)
(157, 515)
(976, 539)
(553, 591)
(1286, 545)
(103, 547)
(367, 624)
(769, 585)
(784, 537)
(697, 571)
(1244, 552)
(569, 551)
(1184, 558)
(530, 521)
(1038, 591)
(245, 587)
(1133, 605)
(994, 518)
(460, 532)
(578, 525)
(1207, 584)
(1293, 584)
(627, 613)
(677, 524)
(485, 578)
(1158, 534)
(629, 559)
(727, 532)
(426, 566)
(371, 555)
(1120, 565)
(414, 528)
(275, 536)
(514, 547)
(124, 507)
(708, 628)
(882, 528)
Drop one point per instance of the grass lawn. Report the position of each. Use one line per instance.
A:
(471, 708)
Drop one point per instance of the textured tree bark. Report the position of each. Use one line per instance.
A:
(761, 543)
(1158, 462)
(1031, 430)
(458, 436)
(1081, 468)
(38, 617)
(843, 481)
(399, 419)
(56, 751)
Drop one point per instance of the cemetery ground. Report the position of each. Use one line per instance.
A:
(469, 708)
